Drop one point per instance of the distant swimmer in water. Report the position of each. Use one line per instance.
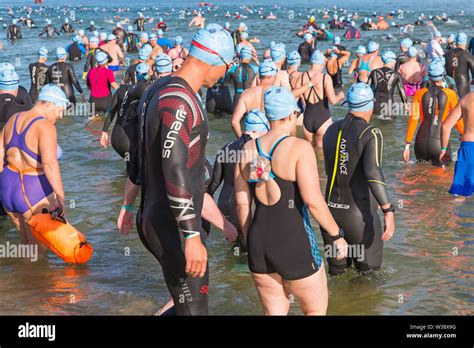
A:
(38, 73)
(28, 22)
(131, 40)
(317, 116)
(419, 22)
(67, 27)
(198, 21)
(283, 253)
(412, 72)
(431, 106)
(31, 178)
(383, 82)
(369, 62)
(463, 181)
(352, 32)
(49, 30)
(459, 62)
(271, 16)
(140, 22)
(337, 59)
(382, 24)
(62, 75)
(14, 31)
(306, 48)
(356, 187)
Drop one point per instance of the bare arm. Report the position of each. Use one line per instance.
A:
(210, 212)
(449, 123)
(329, 88)
(352, 67)
(239, 112)
(243, 199)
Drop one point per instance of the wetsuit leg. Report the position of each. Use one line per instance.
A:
(120, 141)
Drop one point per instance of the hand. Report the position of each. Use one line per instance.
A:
(59, 204)
(406, 155)
(125, 221)
(389, 226)
(83, 97)
(196, 257)
(104, 139)
(230, 232)
(341, 95)
(441, 155)
(342, 248)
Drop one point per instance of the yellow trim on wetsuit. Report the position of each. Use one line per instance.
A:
(374, 131)
(361, 134)
(336, 161)
(377, 182)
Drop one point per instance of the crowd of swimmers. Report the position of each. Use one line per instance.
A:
(271, 188)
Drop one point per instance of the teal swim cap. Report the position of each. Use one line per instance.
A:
(307, 36)
(43, 52)
(373, 46)
(294, 58)
(144, 36)
(267, 68)
(337, 40)
(245, 52)
(360, 97)
(213, 45)
(279, 103)
(406, 43)
(111, 37)
(141, 70)
(163, 63)
(255, 121)
(318, 58)
(60, 53)
(278, 52)
(412, 52)
(461, 39)
(9, 80)
(101, 57)
(436, 71)
(178, 40)
(361, 50)
(144, 53)
(94, 40)
(388, 57)
(153, 36)
(54, 94)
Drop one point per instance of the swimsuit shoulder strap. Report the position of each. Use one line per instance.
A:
(272, 150)
(31, 123)
(15, 123)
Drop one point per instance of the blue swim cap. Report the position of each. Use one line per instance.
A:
(388, 57)
(278, 52)
(244, 35)
(318, 58)
(178, 40)
(111, 37)
(255, 121)
(81, 32)
(130, 29)
(436, 34)
(103, 36)
(54, 94)
(144, 36)
(94, 40)
(245, 52)
(406, 43)
(372, 47)
(337, 40)
(101, 57)
(141, 70)
(451, 37)
(213, 45)
(461, 39)
(76, 39)
(360, 97)
(436, 71)
(95, 33)
(153, 36)
(307, 36)
(271, 44)
(92, 23)
(279, 103)
(267, 68)
(43, 52)
(294, 58)
(412, 52)
(60, 53)
(361, 50)
(9, 80)
(163, 63)
(144, 53)
(322, 26)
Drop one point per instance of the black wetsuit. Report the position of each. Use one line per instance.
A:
(67, 28)
(49, 30)
(419, 22)
(91, 62)
(315, 115)
(236, 37)
(383, 82)
(13, 32)
(28, 22)
(120, 35)
(62, 74)
(140, 22)
(132, 40)
(130, 76)
(38, 78)
(92, 28)
(355, 188)
(459, 63)
(280, 237)
(224, 172)
(365, 26)
(241, 76)
(10, 105)
(170, 168)
(305, 49)
(470, 48)
(75, 52)
(218, 98)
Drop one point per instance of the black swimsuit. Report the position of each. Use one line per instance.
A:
(315, 115)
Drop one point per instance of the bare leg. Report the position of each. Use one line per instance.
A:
(308, 136)
(167, 306)
(320, 133)
(272, 293)
(311, 292)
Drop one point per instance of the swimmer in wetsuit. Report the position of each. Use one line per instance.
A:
(279, 175)
(255, 125)
(38, 73)
(62, 75)
(306, 48)
(14, 31)
(131, 40)
(130, 74)
(383, 82)
(356, 186)
(431, 106)
(459, 63)
(173, 130)
(75, 49)
(67, 27)
(317, 116)
(242, 75)
(124, 105)
(49, 30)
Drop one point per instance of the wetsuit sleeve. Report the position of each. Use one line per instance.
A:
(44, 31)
(414, 117)
(111, 112)
(126, 77)
(401, 89)
(83, 49)
(175, 160)
(372, 162)
(372, 82)
(217, 176)
(227, 78)
(25, 97)
(87, 66)
(68, 47)
(73, 79)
